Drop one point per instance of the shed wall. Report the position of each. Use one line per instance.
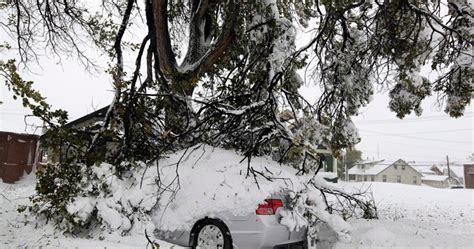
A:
(17, 155)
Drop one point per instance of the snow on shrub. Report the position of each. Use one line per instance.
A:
(118, 203)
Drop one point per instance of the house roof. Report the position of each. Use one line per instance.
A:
(429, 170)
(99, 113)
(436, 178)
(425, 170)
(19, 135)
(377, 167)
(365, 162)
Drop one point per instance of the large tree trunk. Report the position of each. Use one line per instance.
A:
(181, 80)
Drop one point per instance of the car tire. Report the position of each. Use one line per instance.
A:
(211, 232)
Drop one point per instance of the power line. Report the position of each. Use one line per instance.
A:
(425, 147)
(409, 120)
(401, 154)
(418, 138)
(428, 132)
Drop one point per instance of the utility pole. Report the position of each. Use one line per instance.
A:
(449, 171)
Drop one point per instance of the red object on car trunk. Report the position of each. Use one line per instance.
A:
(268, 207)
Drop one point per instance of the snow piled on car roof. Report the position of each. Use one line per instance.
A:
(213, 180)
(183, 187)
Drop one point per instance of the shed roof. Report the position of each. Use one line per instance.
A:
(435, 178)
(427, 170)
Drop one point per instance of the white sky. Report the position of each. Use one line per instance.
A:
(425, 139)
(428, 138)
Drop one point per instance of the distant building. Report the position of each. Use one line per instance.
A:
(439, 177)
(17, 155)
(378, 171)
(469, 175)
(437, 181)
(429, 170)
(91, 121)
(88, 120)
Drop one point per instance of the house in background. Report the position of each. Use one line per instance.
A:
(91, 121)
(378, 171)
(88, 120)
(439, 177)
(17, 155)
(429, 170)
(437, 181)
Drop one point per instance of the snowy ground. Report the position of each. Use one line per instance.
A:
(415, 217)
(18, 231)
(410, 217)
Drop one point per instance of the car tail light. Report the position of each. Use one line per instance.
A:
(268, 207)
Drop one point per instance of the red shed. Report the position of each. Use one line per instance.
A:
(17, 155)
(469, 175)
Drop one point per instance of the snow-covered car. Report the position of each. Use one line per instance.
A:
(219, 204)
(261, 229)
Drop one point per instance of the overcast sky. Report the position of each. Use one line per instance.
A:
(426, 139)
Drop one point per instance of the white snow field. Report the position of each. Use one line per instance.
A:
(410, 217)
(20, 231)
(415, 217)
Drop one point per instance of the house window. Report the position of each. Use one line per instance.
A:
(384, 178)
(399, 178)
(365, 178)
(414, 179)
(395, 166)
(359, 178)
(403, 167)
(372, 178)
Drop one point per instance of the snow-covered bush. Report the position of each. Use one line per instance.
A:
(56, 186)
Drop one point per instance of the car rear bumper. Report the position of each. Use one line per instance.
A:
(249, 232)
(264, 232)
(297, 245)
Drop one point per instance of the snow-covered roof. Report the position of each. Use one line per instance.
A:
(436, 178)
(365, 162)
(425, 170)
(369, 168)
